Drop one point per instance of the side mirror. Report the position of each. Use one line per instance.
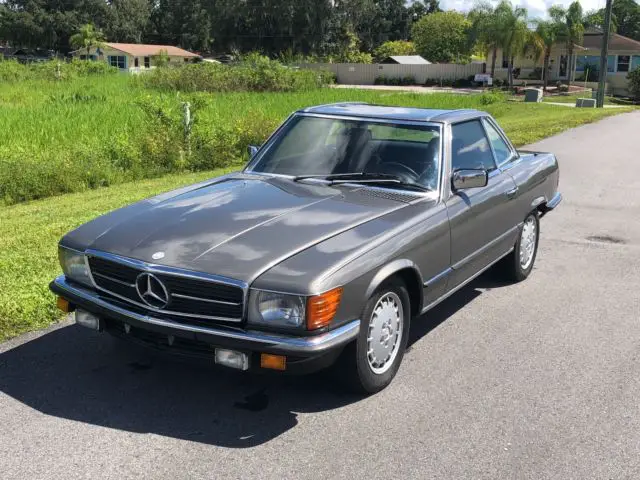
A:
(252, 151)
(468, 178)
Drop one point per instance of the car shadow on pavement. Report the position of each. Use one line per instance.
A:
(80, 375)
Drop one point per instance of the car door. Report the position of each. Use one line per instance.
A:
(480, 219)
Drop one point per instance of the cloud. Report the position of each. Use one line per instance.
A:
(536, 8)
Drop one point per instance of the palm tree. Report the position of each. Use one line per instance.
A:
(513, 32)
(547, 31)
(533, 45)
(485, 30)
(87, 37)
(571, 30)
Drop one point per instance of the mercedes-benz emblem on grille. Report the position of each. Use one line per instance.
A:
(152, 291)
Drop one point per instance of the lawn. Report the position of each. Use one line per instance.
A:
(40, 129)
(90, 132)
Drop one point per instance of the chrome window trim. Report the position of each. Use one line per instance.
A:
(479, 120)
(514, 153)
(175, 272)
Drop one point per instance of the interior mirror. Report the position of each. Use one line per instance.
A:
(252, 151)
(469, 178)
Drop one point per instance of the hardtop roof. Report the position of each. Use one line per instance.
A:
(365, 110)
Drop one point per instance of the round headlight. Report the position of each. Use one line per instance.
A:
(277, 309)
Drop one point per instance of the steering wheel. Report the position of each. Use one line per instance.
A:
(406, 174)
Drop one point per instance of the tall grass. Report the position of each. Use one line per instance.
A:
(86, 131)
(255, 74)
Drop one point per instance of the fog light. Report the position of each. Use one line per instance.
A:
(88, 320)
(233, 359)
(274, 362)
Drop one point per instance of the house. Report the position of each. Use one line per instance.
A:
(406, 60)
(134, 57)
(623, 56)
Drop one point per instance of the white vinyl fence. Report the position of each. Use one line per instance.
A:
(363, 74)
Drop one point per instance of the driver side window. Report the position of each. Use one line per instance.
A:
(470, 147)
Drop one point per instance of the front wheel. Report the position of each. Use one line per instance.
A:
(518, 265)
(370, 363)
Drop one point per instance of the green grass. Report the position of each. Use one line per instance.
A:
(97, 131)
(71, 135)
(29, 234)
(571, 98)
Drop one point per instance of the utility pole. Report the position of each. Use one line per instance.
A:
(603, 55)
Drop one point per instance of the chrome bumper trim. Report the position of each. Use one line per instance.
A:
(300, 345)
(554, 202)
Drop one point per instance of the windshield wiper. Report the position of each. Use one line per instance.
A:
(364, 178)
(347, 176)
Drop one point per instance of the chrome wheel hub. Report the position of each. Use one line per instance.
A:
(528, 242)
(385, 332)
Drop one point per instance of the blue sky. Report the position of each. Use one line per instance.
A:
(536, 8)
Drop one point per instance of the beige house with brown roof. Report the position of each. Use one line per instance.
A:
(135, 57)
(623, 56)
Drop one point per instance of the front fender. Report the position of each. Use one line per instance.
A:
(390, 269)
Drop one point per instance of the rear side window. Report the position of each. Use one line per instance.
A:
(470, 147)
(500, 147)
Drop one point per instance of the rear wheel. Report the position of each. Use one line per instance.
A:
(370, 363)
(518, 265)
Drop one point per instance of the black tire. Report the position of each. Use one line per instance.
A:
(512, 268)
(354, 367)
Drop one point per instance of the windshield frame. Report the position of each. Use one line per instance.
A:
(266, 147)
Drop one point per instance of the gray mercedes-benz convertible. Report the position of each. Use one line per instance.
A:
(349, 222)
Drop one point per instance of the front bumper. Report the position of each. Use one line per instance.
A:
(323, 347)
(551, 204)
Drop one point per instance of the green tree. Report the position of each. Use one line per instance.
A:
(442, 37)
(595, 18)
(513, 32)
(128, 20)
(548, 31)
(396, 47)
(87, 37)
(571, 32)
(627, 15)
(633, 78)
(485, 31)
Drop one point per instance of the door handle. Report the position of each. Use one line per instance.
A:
(512, 193)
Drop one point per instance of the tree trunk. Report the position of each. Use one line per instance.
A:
(570, 64)
(510, 71)
(545, 70)
(493, 61)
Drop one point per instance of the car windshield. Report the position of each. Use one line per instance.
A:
(310, 146)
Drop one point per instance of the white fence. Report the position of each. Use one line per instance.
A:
(363, 74)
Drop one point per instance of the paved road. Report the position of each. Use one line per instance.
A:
(536, 380)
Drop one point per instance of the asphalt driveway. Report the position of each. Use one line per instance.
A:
(536, 380)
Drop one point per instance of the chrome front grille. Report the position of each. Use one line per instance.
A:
(189, 294)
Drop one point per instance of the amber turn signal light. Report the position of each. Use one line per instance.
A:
(274, 362)
(322, 308)
(64, 305)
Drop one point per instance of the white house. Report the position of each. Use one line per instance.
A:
(135, 57)
(623, 56)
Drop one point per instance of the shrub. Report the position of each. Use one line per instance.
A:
(633, 78)
(254, 73)
(355, 57)
(390, 48)
(54, 70)
(563, 88)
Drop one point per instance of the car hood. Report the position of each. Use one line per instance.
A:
(239, 226)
